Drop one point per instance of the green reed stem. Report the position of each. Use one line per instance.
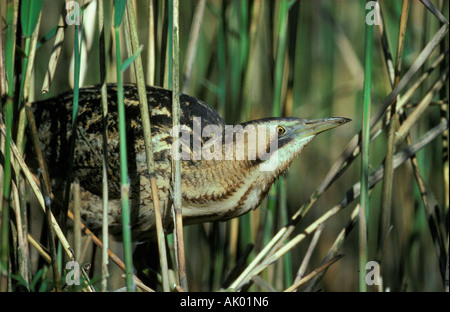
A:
(279, 61)
(119, 8)
(277, 97)
(365, 169)
(4, 205)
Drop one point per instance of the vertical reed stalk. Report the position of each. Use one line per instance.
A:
(386, 201)
(277, 103)
(102, 56)
(145, 117)
(176, 165)
(12, 12)
(365, 168)
(280, 57)
(119, 8)
(151, 45)
(30, 21)
(193, 44)
(76, 76)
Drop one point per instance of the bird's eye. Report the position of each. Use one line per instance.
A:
(281, 130)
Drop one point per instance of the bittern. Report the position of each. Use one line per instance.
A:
(228, 184)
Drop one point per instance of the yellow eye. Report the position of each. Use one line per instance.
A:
(280, 130)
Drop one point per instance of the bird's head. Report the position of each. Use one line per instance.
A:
(256, 154)
(277, 141)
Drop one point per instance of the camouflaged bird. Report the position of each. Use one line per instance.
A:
(216, 189)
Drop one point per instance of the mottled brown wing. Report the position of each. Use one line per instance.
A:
(54, 119)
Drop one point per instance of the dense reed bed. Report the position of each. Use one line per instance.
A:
(364, 208)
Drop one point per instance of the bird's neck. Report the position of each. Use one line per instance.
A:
(225, 189)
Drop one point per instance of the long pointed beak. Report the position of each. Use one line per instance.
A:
(316, 126)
